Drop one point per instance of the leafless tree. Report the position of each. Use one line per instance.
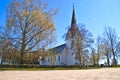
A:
(31, 23)
(83, 41)
(105, 49)
(94, 57)
(111, 38)
(98, 43)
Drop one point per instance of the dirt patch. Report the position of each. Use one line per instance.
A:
(91, 74)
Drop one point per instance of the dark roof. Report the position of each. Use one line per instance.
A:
(59, 48)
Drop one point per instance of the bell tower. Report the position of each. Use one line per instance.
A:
(73, 31)
(73, 27)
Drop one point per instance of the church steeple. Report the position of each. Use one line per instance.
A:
(73, 22)
(73, 30)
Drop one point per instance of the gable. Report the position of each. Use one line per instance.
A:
(59, 49)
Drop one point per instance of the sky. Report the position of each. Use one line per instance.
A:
(95, 14)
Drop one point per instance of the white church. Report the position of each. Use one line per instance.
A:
(64, 54)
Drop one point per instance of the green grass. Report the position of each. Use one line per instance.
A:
(115, 67)
(34, 69)
(55, 68)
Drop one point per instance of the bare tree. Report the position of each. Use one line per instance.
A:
(51, 53)
(32, 57)
(94, 57)
(105, 49)
(98, 43)
(5, 45)
(30, 23)
(83, 42)
(112, 39)
(118, 50)
(85, 57)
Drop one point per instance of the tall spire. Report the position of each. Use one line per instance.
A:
(73, 30)
(73, 17)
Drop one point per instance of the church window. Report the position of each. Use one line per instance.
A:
(58, 58)
(55, 58)
(48, 59)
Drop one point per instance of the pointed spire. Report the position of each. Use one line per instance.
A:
(73, 17)
(73, 29)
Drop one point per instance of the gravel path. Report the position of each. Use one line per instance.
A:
(91, 74)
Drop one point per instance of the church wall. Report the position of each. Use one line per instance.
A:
(70, 57)
(64, 57)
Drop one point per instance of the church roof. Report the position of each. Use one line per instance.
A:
(59, 48)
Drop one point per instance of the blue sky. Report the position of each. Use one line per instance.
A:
(95, 14)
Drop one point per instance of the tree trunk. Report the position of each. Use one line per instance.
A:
(22, 50)
(114, 60)
(108, 62)
(83, 62)
(98, 58)
(94, 59)
(80, 58)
